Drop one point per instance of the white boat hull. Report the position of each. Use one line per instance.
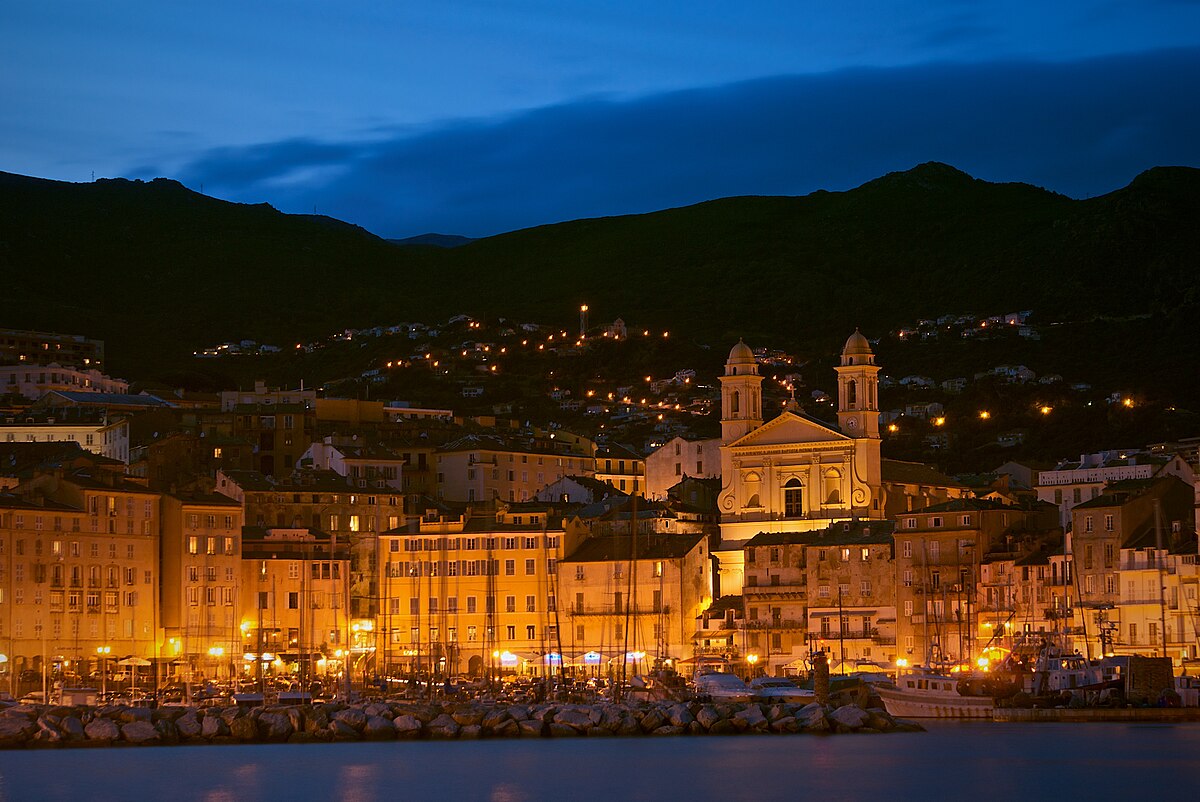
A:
(917, 704)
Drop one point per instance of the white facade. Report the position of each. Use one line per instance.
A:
(1071, 483)
(100, 437)
(34, 381)
(666, 466)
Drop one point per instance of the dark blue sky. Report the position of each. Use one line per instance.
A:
(480, 117)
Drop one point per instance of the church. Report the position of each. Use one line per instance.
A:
(797, 474)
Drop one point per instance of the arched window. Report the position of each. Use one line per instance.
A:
(851, 394)
(735, 402)
(871, 395)
(833, 486)
(793, 499)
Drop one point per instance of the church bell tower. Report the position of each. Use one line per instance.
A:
(858, 386)
(741, 395)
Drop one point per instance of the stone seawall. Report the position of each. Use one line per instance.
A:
(35, 726)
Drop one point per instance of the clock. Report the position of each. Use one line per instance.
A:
(852, 423)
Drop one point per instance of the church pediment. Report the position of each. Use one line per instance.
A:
(789, 428)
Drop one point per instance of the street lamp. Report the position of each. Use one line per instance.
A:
(103, 651)
(752, 659)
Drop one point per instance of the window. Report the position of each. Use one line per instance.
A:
(510, 567)
(530, 632)
(908, 579)
(579, 572)
(908, 608)
(1108, 523)
(793, 499)
(471, 604)
(510, 604)
(530, 567)
(906, 548)
(511, 631)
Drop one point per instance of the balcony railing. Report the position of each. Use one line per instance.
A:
(612, 609)
(775, 623)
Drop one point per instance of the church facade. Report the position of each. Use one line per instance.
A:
(794, 473)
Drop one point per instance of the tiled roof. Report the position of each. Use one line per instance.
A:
(617, 548)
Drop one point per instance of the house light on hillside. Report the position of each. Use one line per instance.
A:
(1127, 402)
(1046, 410)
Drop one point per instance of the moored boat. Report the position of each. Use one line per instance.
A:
(923, 693)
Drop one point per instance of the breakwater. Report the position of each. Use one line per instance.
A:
(33, 726)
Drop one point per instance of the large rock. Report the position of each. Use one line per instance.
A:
(132, 714)
(707, 716)
(723, 726)
(213, 727)
(275, 726)
(470, 732)
(680, 716)
(574, 718)
(753, 716)
(531, 728)
(140, 732)
(167, 731)
(512, 729)
(443, 727)
(850, 717)
(407, 726)
(341, 731)
(557, 730)
(652, 720)
(188, 725)
(494, 719)
(103, 730)
(669, 729)
(814, 721)
(244, 729)
(467, 716)
(72, 728)
(379, 728)
(355, 718)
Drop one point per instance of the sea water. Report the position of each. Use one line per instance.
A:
(952, 761)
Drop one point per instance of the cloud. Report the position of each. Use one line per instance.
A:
(1079, 128)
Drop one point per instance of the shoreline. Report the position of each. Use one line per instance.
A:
(25, 726)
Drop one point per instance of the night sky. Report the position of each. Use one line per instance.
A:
(480, 117)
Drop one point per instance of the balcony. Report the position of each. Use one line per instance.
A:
(883, 640)
(612, 609)
(775, 624)
(791, 589)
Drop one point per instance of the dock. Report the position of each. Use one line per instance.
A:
(1170, 715)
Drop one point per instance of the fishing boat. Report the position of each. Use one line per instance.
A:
(924, 693)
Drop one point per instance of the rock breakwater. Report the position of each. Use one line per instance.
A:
(36, 726)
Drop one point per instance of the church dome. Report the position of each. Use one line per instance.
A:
(741, 361)
(741, 353)
(857, 345)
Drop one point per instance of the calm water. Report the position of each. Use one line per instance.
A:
(970, 761)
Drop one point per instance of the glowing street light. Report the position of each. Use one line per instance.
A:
(984, 414)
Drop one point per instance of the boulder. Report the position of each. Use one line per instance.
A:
(494, 719)
(102, 729)
(723, 726)
(72, 728)
(244, 729)
(850, 717)
(562, 730)
(531, 728)
(407, 726)
(600, 732)
(680, 716)
(274, 726)
(512, 729)
(379, 728)
(669, 729)
(443, 727)
(467, 716)
(575, 718)
(212, 727)
(753, 716)
(785, 724)
(296, 719)
(707, 715)
(470, 732)
(814, 721)
(140, 732)
(167, 731)
(131, 714)
(519, 712)
(629, 725)
(341, 731)
(652, 720)
(188, 724)
(353, 717)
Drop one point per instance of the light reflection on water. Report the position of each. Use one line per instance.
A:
(979, 761)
